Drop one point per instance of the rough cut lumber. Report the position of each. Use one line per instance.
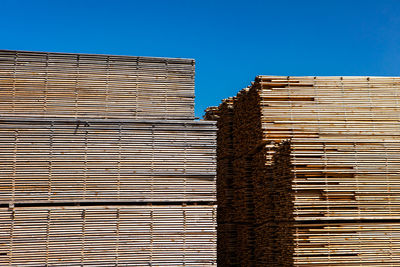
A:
(102, 86)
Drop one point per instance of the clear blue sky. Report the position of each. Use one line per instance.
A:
(232, 41)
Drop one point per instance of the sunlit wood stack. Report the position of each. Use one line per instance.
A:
(101, 86)
(324, 164)
(127, 235)
(103, 164)
(60, 160)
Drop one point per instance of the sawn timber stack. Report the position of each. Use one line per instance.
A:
(113, 235)
(313, 167)
(60, 160)
(101, 86)
(102, 162)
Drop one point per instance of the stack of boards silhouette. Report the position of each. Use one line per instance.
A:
(102, 162)
(320, 157)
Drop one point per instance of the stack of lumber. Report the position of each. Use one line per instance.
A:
(103, 164)
(101, 86)
(320, 159)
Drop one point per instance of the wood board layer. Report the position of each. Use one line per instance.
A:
(60, 160)
(340, 180)
(172, 235)
(102, 86)
(347, 244)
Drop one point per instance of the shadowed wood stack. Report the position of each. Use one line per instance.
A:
(102, 162)
(324, 170)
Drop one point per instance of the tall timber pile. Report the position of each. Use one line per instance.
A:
(102, 162)
(308, 172)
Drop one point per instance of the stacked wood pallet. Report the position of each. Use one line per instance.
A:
(102, 164)
(324, 169)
